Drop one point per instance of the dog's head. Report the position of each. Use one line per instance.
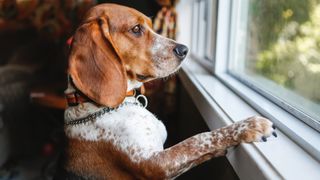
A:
(115, 44)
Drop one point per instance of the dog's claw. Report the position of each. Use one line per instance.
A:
(274, 134)
(273, 126)
(264, 139)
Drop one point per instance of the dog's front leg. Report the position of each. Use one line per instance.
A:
(201, 147)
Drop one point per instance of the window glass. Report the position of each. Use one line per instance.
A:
(210, 17)
(202, 29)
(275, 45)
(195, 17)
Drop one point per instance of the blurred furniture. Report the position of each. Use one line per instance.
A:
(47, 96)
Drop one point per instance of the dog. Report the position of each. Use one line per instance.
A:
(111, 135)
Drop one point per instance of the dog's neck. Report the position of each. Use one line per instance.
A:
(133, 84)
(75, 96)
(80, 106)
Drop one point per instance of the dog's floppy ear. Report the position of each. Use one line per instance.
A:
(94, 65)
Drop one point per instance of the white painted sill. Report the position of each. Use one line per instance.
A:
(279, 158)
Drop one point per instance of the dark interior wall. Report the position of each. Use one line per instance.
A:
(190, 123)
(148, 7)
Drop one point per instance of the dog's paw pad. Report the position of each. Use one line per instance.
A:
(256, 129)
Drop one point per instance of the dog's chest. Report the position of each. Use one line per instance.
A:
(132, 129)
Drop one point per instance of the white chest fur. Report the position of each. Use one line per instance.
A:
(131, 128)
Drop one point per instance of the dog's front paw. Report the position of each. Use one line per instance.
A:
(255, 129)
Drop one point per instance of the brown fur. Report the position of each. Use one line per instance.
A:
(102, 160)
(104, 51)
(104, 55)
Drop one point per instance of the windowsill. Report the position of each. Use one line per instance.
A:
(279, 158)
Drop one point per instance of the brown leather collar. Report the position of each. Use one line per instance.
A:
(76, 98)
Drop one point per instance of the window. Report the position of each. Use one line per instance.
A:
(203, 29)
(275, 48)
(261, 50)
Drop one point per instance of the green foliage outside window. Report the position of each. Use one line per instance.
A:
(286, 37)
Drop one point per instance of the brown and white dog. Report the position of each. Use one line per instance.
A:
(111, 135)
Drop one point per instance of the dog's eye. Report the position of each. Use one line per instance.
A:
(137, 30)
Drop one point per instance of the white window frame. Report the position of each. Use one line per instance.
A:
(218, 96)
(236, 17)
(291, 125)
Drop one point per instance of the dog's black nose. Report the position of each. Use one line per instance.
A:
(181, 51)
